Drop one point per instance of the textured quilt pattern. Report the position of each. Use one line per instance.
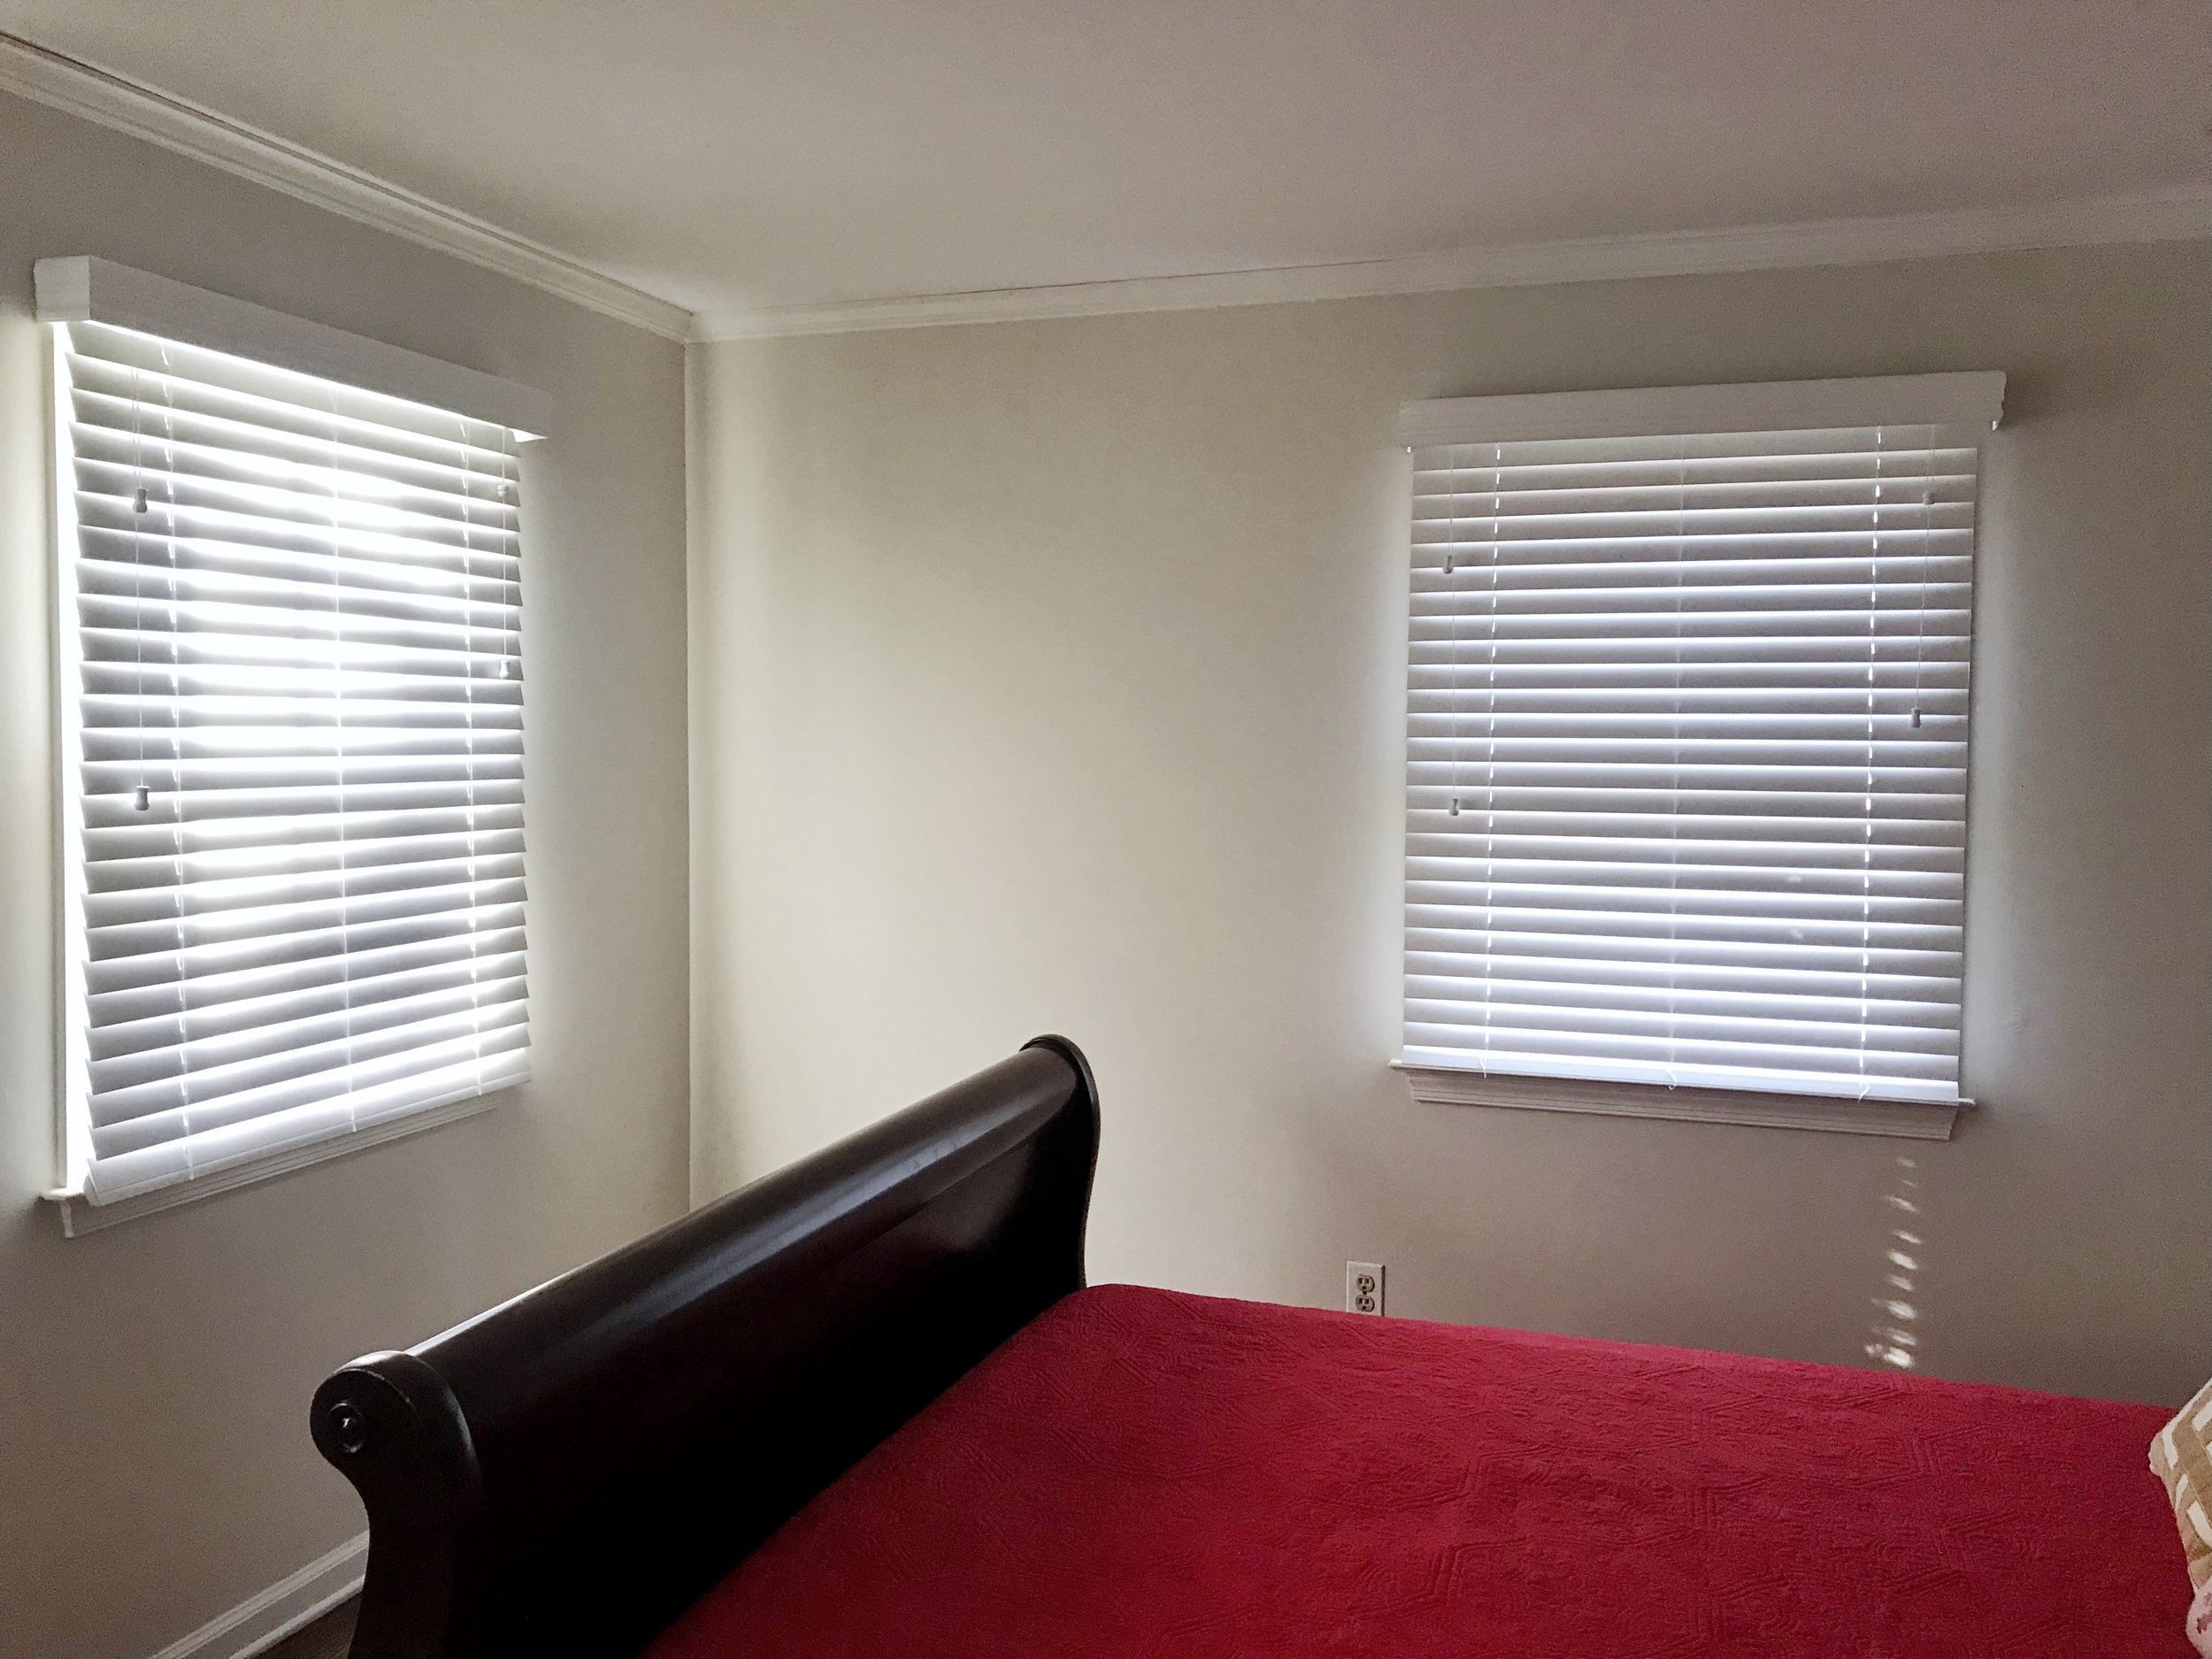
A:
(1142, 1472)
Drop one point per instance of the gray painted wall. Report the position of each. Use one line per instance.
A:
(1049, 676)
(154, 1466)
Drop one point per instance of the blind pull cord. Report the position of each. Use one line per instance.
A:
(1927, 532)
(1451, 561)
(1674, 774)
(1490, 767)
(1866, 847)
(339, 715)
(468, 692)
(141, 797)
(1458, 643)
(185, 1081)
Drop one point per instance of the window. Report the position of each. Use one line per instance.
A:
(1687, 749)
(291, 715)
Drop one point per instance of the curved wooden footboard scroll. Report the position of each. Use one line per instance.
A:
(566, 1473)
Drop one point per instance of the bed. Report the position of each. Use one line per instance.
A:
(867, 1406)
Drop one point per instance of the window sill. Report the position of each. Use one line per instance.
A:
(1912, 1120)
(79, 1215)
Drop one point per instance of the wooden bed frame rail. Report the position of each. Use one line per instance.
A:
(566, 1473)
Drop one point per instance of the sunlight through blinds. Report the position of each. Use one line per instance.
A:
(1687, 745)
(292, 680)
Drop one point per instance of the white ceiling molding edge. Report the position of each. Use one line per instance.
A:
(2179, 214)
(190, 129)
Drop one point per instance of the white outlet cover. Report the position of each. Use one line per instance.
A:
(1363, 1286)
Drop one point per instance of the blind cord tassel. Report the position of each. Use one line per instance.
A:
(142, 798)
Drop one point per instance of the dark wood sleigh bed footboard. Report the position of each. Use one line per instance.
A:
(569, 1471)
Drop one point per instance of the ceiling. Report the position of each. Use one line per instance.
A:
(731, 154)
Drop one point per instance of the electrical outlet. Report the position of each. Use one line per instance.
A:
(1363, 1286)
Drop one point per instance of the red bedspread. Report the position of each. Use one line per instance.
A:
(1142, 1472)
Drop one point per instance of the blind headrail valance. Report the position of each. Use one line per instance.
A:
(1900, 400)
(81, 289)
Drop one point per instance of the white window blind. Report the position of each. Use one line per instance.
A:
(292, 712)
(1687, 736)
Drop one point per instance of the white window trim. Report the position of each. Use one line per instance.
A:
(1910, 1120)
(79, 1215)
(82, 288)
(1962, 398)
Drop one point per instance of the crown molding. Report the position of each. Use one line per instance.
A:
(191, 129)
(2178, 214)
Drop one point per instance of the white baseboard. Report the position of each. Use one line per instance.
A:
(266, 1617)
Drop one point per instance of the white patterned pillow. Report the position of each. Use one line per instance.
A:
(2181, 1455)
